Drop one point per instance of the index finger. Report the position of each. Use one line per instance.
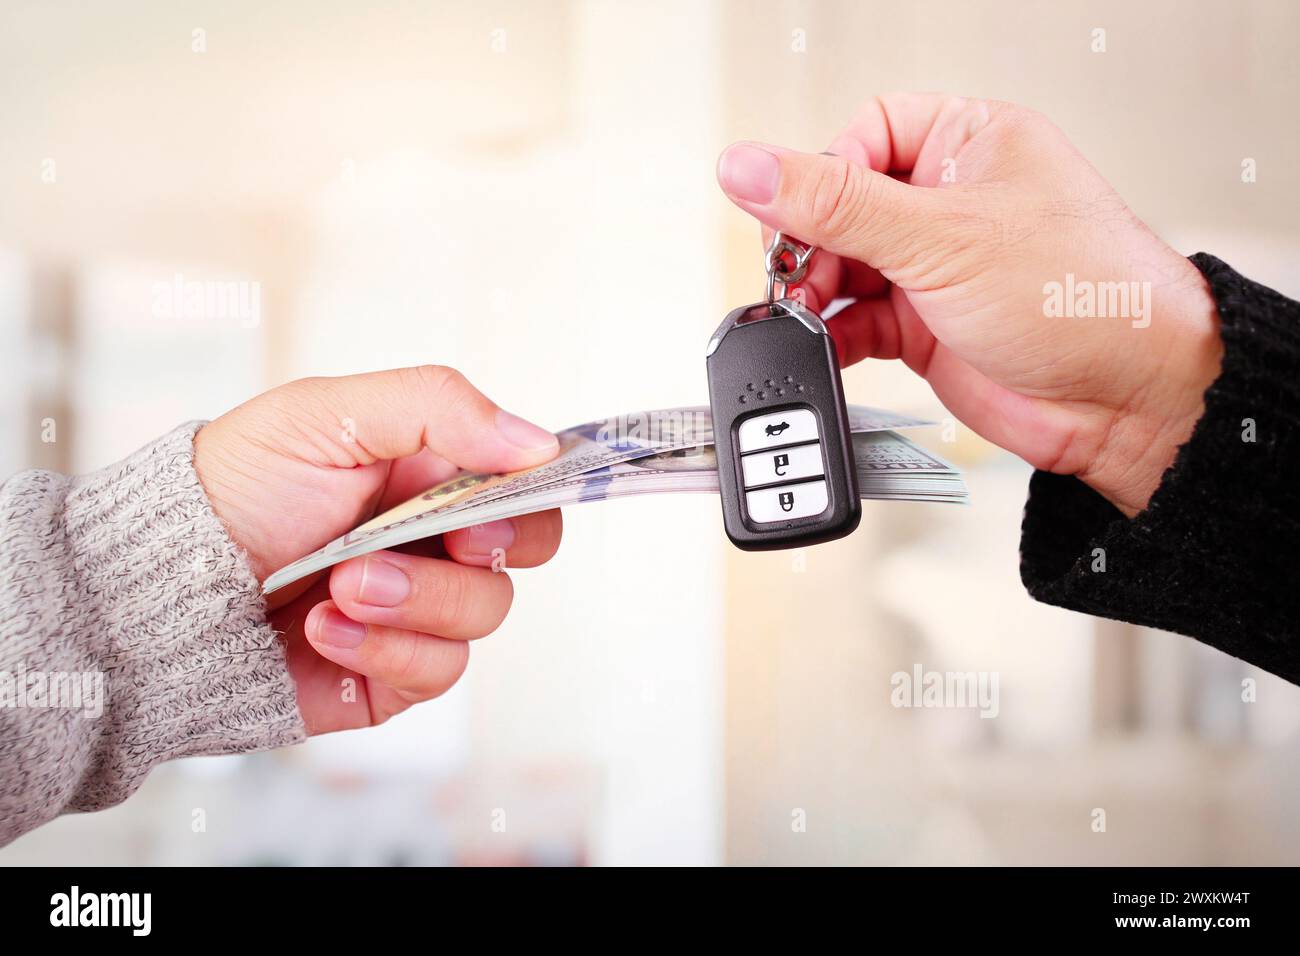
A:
(399, 412)
(889, 130)
(909, 135)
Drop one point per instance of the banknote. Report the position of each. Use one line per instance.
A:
(889, 467)
(583, 449)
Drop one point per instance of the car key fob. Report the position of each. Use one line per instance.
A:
(785, 451)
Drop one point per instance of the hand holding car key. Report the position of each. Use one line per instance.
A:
(785, 457)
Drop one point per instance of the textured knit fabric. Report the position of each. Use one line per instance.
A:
(1213, 555)
(126, 573)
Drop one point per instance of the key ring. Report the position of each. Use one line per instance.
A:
(775, 263)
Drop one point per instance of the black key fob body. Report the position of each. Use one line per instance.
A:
(785, 452)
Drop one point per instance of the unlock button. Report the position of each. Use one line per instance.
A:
(784, 464)
(786, 502)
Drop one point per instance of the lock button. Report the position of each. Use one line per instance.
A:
(782, 464)
(790, 427)
(787, 502)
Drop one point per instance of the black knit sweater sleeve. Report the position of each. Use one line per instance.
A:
(1214, 555)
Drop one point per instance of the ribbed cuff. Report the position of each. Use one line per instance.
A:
(191, 665)
(1210, 555)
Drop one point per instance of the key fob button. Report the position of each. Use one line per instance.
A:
(780, 428)
(786, 475)
(782, 464)
(787, 502)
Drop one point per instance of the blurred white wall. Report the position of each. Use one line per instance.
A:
(1093, 715)
(499, 189)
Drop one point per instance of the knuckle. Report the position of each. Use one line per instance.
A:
(1024, 123)
(447, 389)
(449, 600)
(837, 198)
(429, 669)
(310, 383)
(445, 667)
(433, 381)
(455, 659)
(1030, 116)
(407, 670)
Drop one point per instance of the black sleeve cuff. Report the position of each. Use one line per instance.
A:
(1213, 556)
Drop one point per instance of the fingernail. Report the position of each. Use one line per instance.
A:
(382, 584)
(749, 173)
(339, 631)
(484, 539)
(523, 434)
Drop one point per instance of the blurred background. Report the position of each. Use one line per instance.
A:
(515, 189)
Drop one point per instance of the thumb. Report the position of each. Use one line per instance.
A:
(840, 206)
(399, 412)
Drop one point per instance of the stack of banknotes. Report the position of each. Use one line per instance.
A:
(658, 452)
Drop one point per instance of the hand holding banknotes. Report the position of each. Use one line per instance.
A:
(303, 463)
(952, 222)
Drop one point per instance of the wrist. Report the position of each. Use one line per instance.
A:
(178, 626)
(1143, 438)
(224, 498)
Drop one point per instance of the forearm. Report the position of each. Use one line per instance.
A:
(1210, 556)
(125, 581)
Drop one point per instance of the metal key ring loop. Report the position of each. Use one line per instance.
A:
(775, 262)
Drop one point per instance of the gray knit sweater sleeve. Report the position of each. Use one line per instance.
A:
(125, 580)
